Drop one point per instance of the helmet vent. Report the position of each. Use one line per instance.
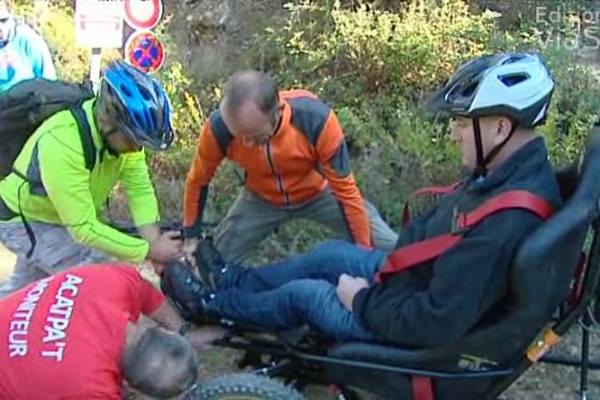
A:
(469, 89)
(513, 79)
(125, 90)
(513, 59)
(139, 121)
(465, 87)
(145, 93)
(155, 116)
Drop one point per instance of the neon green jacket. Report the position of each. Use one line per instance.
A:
(61, 190)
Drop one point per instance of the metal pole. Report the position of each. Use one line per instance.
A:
(95, 67)
(585, 355)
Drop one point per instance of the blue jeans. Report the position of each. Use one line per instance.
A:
(299, 290)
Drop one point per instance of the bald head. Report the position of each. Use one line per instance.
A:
(253, 87)
(160, 364)
(250, 106)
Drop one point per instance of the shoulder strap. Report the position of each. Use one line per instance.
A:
(427, 190)
(428, 249)
(85, 132)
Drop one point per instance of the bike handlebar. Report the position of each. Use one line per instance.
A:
(130, 229)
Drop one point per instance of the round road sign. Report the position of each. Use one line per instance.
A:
(143, 14)
(145, 51)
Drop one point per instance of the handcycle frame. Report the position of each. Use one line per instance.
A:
(301, 358)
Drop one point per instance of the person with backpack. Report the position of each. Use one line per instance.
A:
(297, 166)
(52, 196)
(23, 52)
(451, 266)
(79, 334)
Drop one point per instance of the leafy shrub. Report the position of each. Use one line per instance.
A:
(375, 67)
(56, 25)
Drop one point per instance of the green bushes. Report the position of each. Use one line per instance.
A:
(375, 67)
(55, 23)
(407, 53)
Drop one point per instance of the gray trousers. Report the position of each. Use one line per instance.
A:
(251, 219)
(55, 251)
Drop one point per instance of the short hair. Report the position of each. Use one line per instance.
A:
(254, 86)
(144, 365)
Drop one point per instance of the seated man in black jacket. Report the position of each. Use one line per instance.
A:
(496, 101)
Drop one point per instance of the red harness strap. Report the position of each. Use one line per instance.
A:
(419, 252)
(422, 388)
(428, 190)
(425, 250)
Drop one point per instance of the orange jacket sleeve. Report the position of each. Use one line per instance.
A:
(335, 161)
(207, 157)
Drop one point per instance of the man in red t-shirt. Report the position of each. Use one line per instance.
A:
(76, 335)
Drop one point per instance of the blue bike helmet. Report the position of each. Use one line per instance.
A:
(137, 105)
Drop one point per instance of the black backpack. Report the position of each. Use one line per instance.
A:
(27, 104)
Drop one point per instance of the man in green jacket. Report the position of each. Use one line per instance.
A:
(51, 201)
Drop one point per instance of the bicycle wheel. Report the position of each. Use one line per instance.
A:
(245, 386)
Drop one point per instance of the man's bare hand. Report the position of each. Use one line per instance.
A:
(347, 288)
(203, 337)
(157, 267)
(166, 247)
(189, 247)
(149, 232)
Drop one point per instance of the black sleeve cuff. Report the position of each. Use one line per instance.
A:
(196, 229)
(358, 303)
(192, 231)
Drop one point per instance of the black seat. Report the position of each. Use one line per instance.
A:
(541, 277)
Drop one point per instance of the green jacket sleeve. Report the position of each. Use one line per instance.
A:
(141, 198)
(66, 181)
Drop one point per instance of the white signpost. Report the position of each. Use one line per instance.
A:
(98, 25)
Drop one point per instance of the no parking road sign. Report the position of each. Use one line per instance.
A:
(143, 14)
(145, 51)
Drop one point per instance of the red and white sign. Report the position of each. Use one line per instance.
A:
(99, 23)
(143, 14)
(145, 51)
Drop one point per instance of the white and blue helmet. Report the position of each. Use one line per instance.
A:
(517, 85)
(137, 105)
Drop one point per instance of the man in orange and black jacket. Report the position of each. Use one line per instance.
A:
(292, 149)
